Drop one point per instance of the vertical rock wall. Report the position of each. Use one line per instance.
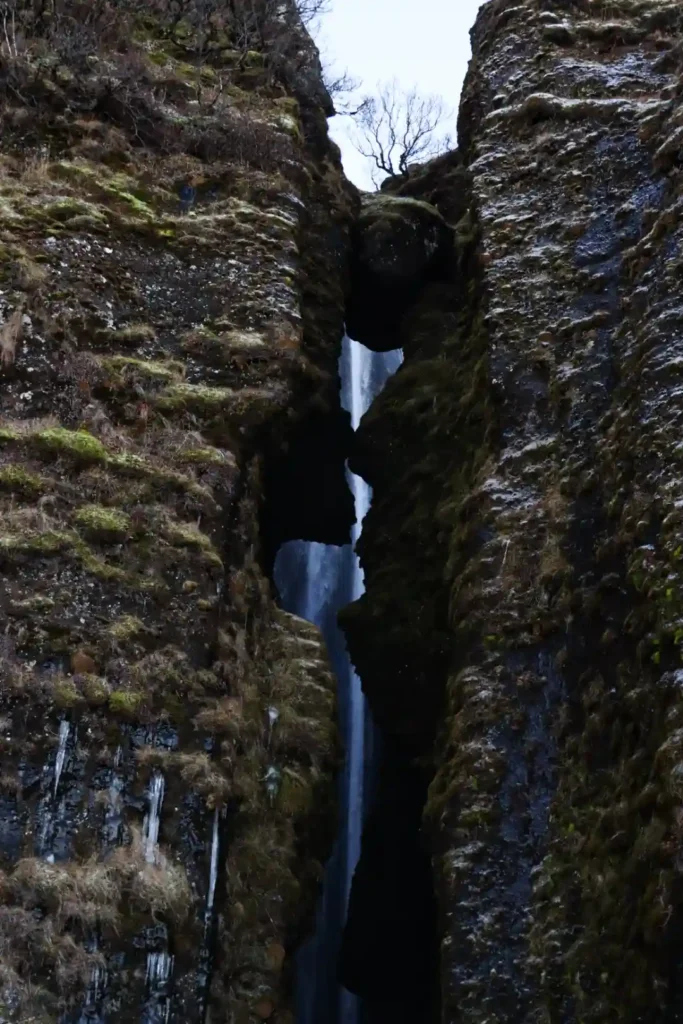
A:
(523, 556)
(173, 232)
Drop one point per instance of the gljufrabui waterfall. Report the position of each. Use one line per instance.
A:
(314, 581)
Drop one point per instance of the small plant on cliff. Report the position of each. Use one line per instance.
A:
(399, 127)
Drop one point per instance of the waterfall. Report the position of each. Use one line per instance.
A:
(315, 581)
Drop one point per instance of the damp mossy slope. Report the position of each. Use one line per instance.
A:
(164, 197)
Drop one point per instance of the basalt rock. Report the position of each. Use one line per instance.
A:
(523, 553)
(400, 244)
(173, 241)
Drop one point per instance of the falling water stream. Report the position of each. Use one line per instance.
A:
(315, 581)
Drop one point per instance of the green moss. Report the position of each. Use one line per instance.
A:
(197, 397)
(96, 691)
(136, 466)
(35, 605)
(190, 536)
(7, 435)
(138, 206)
(78, 445)
(205, 456)
(66, 695)
(102, 523)
(167, 371)
(126, 703)
(19, 481)
(49, 543)
(133, 334)
(159, 57)
(64, 210)
(125, 628)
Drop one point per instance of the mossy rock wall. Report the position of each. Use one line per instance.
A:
(170, 316)
(523, 551)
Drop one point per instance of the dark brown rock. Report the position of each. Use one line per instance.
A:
(522, 555)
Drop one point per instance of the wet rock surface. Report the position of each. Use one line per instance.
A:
(524, 541)
(171, 311)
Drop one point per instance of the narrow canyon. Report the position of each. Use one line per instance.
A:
(341, 580)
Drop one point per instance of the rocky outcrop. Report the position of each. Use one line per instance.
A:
(521, 630)
(173, 235)
(399, 244)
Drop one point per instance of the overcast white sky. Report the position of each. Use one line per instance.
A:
(419, 42)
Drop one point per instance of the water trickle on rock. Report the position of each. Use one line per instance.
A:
(213, 869)
(114, 810)
(150, 827)
(64, 729)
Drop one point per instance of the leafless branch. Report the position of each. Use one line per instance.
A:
(399, 127)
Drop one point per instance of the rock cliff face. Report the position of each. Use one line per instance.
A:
(173, 237)
(521, 636)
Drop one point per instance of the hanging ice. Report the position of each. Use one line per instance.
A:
(213, 869)
(64, 729)
(50, 809)
(96, 986)
(159, 972)
(150, 826)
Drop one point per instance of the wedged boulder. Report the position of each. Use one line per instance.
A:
(399, 246)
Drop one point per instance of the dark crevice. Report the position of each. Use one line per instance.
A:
(307, 495)
(390, 948)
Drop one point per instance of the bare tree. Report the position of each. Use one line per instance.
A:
(311, 10)
(399, 127)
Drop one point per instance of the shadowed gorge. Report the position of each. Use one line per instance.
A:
(187, 763)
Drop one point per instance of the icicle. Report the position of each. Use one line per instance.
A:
(47, 813)
(159, 971)
(150, 826)
(96, 986)
(64, 729)
(213, 870)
